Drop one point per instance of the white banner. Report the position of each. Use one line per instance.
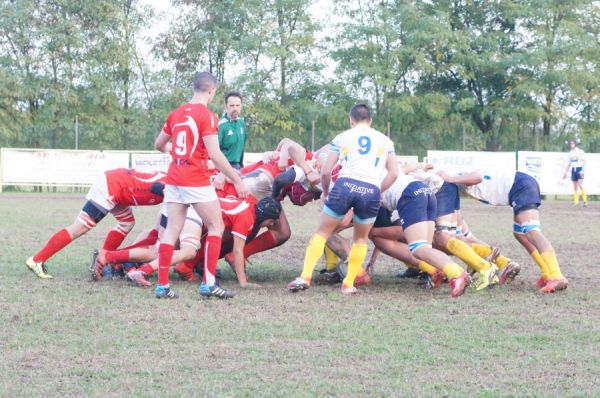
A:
(47, 166)
(404, 160)
(460, 161)
(150, 161)
(549, 168)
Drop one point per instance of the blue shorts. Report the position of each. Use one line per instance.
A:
(417, 204)
(348, 194)
(448, 199)
(524, 193)
(384, 219)
(576, 173)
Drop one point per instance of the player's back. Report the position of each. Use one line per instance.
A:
(363, 153)
(494, 188)
(130, 187)
(187, 125)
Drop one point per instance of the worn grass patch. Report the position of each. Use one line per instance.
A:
(72, 337)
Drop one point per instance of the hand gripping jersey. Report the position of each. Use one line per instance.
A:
(363, 153)
(187, 125)
(575, 157)
(494, 188)
(129, 187)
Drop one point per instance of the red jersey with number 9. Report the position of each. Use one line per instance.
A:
(187, 125)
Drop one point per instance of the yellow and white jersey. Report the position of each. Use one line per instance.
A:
(575, 157)
(363, 153)
(390, 198)
(494, 188)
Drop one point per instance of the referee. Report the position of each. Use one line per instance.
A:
(233, 131)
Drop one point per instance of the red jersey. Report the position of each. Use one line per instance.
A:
(238, 215)
(130, 187)
(187, 126)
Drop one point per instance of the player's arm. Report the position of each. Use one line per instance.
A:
(211, 143)
(238, 262)
(391, 165)
(326, 170)
(567, 168)
(298, 155)
(163, 142)
(412, 167)
(471, 178)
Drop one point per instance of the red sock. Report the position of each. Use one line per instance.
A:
(148, 241)
(55, 244)
(165, 256)
(212, 248)
(118, 256)
(191, 264)
(147, 269)
(113, 240)
(262, 242)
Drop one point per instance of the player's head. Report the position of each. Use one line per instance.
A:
(300, 195)
(205, 83)
(268, 210)
(573, 144)
(233, 104)
(360, 113)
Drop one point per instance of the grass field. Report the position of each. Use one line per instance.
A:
(71, 337)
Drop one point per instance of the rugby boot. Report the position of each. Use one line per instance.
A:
(328, 277)
(554, 285)
(434, 281)
(349, 290)
(298, 284)
(363, 279)
(509, 273)
(165, 292)
(215, 291)
(458, 285)
(540, 283)
(39, 269)
(186, 273)
(486, 278)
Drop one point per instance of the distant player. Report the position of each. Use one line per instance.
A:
(114, 192)
(192, 131)
(365, 154)
(576, 163)
(522, 193)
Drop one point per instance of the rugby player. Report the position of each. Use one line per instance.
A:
(576, 162)
(522, 192)
(365, 154)
(114, 192)
(192, 130)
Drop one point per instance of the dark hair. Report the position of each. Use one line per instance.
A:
(204, 81)
(233, 94)
(360, 112)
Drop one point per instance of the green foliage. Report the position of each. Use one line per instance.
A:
(440, 75)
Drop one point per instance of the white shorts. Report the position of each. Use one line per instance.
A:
(189, 195)
(98, 194)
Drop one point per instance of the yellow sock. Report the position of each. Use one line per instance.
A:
(314, 250)
(502, 261)
(331, 259)
(481, 249)
(356, 257)
(541, 264)
(576, 198)
(425, 267)
(583, 196)
(463, 251)
(453, 270)
(552, 264)
(485, 250)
